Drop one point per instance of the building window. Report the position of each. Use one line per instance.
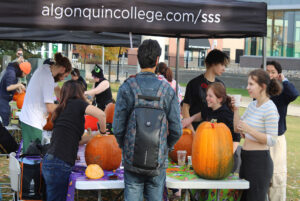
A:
(283, 35)
(166, 52)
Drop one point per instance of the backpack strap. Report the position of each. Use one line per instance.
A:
(160, 93)
(135, 88)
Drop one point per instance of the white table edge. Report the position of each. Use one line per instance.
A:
(207, 184)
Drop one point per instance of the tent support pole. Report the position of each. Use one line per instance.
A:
(264, 52)
(103, 53)
(177, 64)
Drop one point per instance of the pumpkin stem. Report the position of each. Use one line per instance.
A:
(212, 122)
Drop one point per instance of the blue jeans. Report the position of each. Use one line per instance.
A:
(137, 185)
(56, 174)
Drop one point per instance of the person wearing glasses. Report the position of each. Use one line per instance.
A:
(101, 89)
(75, 74)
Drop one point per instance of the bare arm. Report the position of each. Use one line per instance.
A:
(187, 121)
(186, 114)
(19, 87)
(259, 136)
(57, 92)
(99, 89)
(99, 114)
(51, 107)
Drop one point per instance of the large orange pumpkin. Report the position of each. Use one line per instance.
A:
(104, 151)
(109, 112)
(20, 100)
(49, 124)
(184, 143)
(212, 152)
(90, 122)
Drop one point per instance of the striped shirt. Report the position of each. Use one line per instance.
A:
(263, 119)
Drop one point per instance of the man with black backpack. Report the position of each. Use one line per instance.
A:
(146, 125)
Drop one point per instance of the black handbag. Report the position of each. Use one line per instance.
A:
(8, 144)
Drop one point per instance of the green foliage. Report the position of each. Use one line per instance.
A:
(10, 48)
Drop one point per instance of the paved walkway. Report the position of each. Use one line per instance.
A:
(293, 109)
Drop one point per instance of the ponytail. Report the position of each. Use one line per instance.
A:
(168, 74)
(274, 88)
(228, 102)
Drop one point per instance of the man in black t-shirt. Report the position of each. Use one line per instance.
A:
(195, 95)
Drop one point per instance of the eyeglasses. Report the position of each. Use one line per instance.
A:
(97, 69)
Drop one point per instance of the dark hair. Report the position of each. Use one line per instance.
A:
(19, 72)
(216, 57)
(71, 89)
(163, 69)
(261, 77)
(60, 60)
(148, 52)
(98, 72)
(220, 92)
(75, 72)
(276, 65)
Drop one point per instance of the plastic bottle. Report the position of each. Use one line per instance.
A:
(189, 165)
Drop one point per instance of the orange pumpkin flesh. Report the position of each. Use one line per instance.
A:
(94, 171)
(104, 151)
(90, 122)
(109, 112)
(20, 100)
(49, 124)
(184, 143)
(212, 149)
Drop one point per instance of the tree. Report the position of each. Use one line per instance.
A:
(10, 48)
(85, 51)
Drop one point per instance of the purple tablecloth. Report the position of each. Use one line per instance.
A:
(78, 174)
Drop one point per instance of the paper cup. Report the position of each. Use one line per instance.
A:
(237, 100)
(181, 155)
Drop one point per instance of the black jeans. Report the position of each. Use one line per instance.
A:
(257, 168)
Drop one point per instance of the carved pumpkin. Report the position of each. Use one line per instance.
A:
(90, 122)
(184, 143)
(15, 97)
(20, 100)
(212, 152)
(104, 151)
(49, 124)
(94, 171)
(109, 112)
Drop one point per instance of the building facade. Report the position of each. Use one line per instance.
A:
(283, 30)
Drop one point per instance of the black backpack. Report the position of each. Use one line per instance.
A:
(7, 143)
(145, 143)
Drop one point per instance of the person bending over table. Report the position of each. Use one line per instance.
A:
(38, 101)
(68, 128)
(101, 89)
(9, 85)
(259, 127)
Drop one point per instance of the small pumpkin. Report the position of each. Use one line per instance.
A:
(212, 151)
(109, 112)
(184, 143)
(20, 100)
(49, 124)
(94, 171)
(90, 122)
(104, 151)
(15, 97)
